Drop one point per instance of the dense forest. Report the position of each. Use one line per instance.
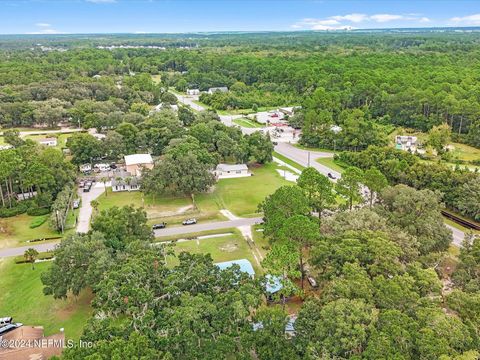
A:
(410, 80)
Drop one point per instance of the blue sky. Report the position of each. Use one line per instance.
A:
(173, 16)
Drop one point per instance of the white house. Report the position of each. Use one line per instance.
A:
(48, 141)
(406, 143)
(226, 171)
(193, 92)
(136, 162)
(223, 89)
(124, 181)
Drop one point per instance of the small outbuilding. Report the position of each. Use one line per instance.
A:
(193, 92)
(48, 141)
(213, 90)
(226, 171)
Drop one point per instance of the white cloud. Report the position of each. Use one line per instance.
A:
(45, 28)
(355, 18)
(381, 18)
(341, 22)
(473, 19)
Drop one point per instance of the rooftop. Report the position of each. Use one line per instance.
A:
(231, 167)
(245, 266)
(137, 159)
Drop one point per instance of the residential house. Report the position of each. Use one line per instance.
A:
(136, 162)
(406, 143)
(193, 92)
(244, 264)
(225, 171)
(36, 344)
(48, 141)
(124, 181)
(213, 90)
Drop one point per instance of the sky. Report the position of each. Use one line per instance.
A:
(183, 16)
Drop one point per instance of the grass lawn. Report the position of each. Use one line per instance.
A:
(226, 248)
(288, 161)
(157, 78)
(15, 231)
(246, 111)
(22, 298)
(239, 195)
(61, 139)
(465, 152)
(247, 123)
(329, 162)
(242, 195)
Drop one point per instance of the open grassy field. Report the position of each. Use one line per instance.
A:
(61, 139)
(240, 195)
(465, 152)
(15, 231)
(247, 123)
(225, 248)
(22, 298)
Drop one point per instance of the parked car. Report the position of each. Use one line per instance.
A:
(275, 143)
(189, 222)
(76, 204)
(113, 166)
(161, 225)
(312, 281)
(5, 320)
(331, 176)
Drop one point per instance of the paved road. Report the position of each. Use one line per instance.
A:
(163, 232)
(86, 209)
(458, 235)
(189, 100)
(20, 250)
(301, 157)
(170, 231)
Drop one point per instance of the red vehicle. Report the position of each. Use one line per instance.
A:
(274, 115)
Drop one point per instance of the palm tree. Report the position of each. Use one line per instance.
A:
(30, 256)
(94, 204)
(104, 180)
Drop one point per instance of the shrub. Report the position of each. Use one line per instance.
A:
(18, 209)
(38, 221)
(38, 211)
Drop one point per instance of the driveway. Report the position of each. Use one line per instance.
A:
(86, 209)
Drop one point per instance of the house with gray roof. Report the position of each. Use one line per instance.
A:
(226, 171)
(124, 181)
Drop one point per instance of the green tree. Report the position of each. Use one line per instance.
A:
(318, 189)
(375, 181)
(285, 202)
(30, 256)
(349, 185)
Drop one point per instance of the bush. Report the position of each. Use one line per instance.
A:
(38, 211)
(41, 256)
(18, 209)
(38, 221)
